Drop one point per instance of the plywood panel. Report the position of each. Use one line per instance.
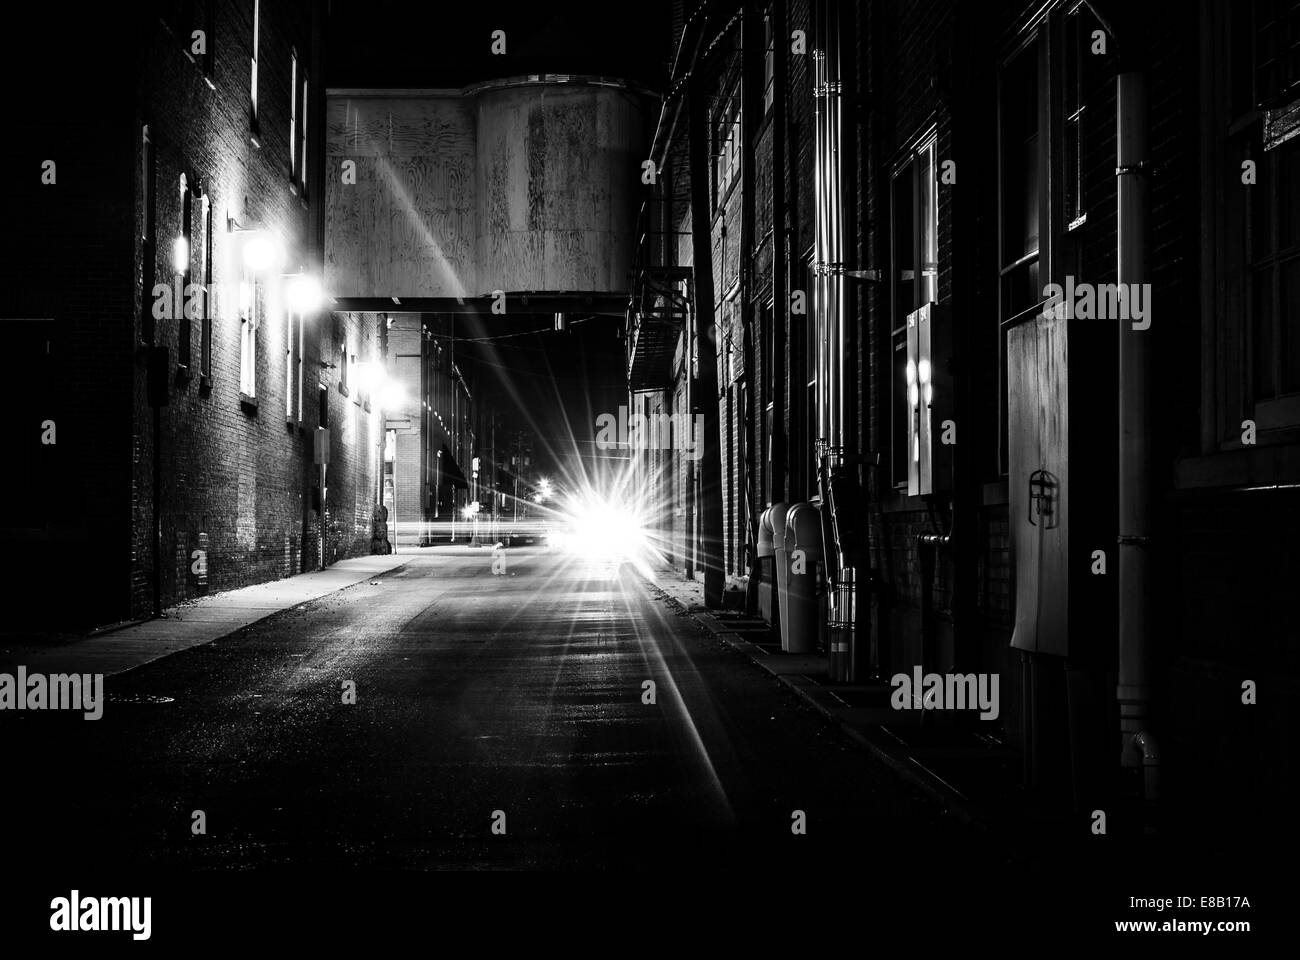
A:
(555, 166)
(407, 228)
(519, 189)
(1038, 436)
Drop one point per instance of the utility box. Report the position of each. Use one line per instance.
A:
(321, 448)
(766, 554)
(781, 557)
(804, 599)
(931, 425)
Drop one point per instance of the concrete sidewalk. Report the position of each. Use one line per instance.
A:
(194, 622)
(973, 776)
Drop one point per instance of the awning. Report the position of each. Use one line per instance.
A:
(449, 470)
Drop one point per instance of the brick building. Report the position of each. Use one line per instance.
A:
(935, 168)
(185, 159)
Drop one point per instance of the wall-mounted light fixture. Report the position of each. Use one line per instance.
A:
(260, 249)
(303, 292)
(180, 255)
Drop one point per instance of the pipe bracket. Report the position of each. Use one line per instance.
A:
(1128, 540)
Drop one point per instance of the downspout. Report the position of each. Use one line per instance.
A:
(780, 269)
(1139, 749)
(830, 318)
(846, 539)
(820, 241)
(836, 316)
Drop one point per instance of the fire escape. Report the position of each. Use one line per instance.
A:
(660, 311)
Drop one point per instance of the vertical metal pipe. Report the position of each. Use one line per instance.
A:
(1134, 692)
(780, 268)
(835, 220)
(831, 348)
(818, 316)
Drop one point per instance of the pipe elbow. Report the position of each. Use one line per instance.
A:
(1142, 750)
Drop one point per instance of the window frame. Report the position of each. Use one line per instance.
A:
(249, 317)
(726, 152)
(209, 301)
(769, 62)
(253, 58)
(183, 332)
(1034, 42)
(149, 233)
(293, 114)
(1253, 256)
(909, 166)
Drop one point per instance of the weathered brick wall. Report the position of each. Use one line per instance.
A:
(234, 476)
(65, 258)
(231, 471)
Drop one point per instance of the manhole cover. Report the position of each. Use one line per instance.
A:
(139, 698)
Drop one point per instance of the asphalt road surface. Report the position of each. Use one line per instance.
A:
(512, 701)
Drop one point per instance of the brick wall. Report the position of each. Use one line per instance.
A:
(65, 259)
(235, 475)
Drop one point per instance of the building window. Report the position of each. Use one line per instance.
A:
(914, 272)
(1083, 70)
(302, 150)
(1020, 164)
(290, 392)
(726, 149)
(257, 18)
(1263, 219)
(209, 305)
(149, 232)
(301, 344)
(769, 64)
(184, 259)
(1276, 59)
(249, 313)
(293, 115)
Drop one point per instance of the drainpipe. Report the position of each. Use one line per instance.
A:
(836, 315)
(780, 269)
(821, 234)
(1139, 749)
(837, 468)
(831, 324)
